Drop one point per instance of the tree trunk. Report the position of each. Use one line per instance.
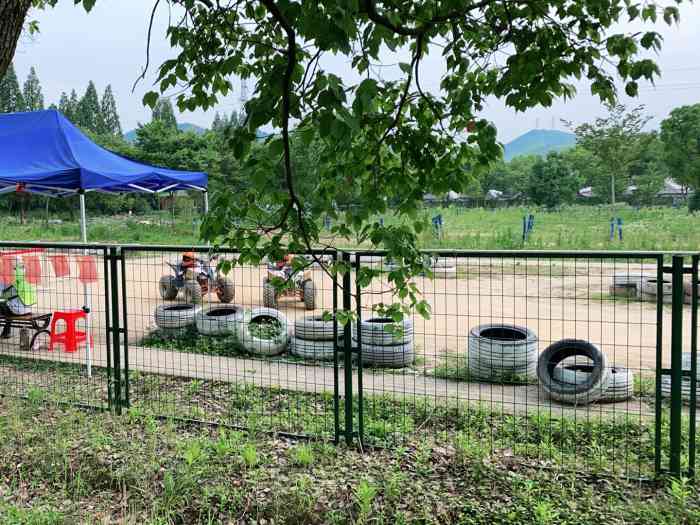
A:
(12, 16)
(612, 189)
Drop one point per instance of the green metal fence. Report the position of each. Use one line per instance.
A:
(470, 376)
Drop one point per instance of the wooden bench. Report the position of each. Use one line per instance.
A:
(39, 323)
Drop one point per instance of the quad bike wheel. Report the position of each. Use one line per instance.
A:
(193, 292)
(309, 294)
(225, 290)
(269, 295)
(167, 287)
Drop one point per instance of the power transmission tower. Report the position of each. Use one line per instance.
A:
(244, 94)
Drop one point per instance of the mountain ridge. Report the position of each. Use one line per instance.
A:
(538, 142)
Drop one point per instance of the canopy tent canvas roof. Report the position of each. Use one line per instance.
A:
(44, 152)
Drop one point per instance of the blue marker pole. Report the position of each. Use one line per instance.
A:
(619, 227)
(524, 229)
(612, 229)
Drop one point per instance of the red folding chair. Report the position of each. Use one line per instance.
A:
(7, 269)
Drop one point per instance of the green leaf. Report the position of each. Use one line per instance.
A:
(150, 99)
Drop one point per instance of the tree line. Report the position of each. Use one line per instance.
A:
(614, 156)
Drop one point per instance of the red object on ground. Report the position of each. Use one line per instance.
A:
(32, 269)
(87, 269)
(71, 337)
(7, 269)
(61, 268)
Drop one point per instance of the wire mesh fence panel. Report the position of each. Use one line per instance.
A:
(547, 357)
(212, 340)
(53, 322)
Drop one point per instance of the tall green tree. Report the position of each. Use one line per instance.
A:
(680, 134)
(615, 141)
(552, 181)
(72, 108)
(88, 112)
(163, 112)
(110, 116)
(33, 97)
(11, 99)
(218, 124)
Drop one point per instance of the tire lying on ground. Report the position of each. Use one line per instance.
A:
(685, 382)
(501, 352)
(219, 320)
(382, 331)
(620, 386)
(175, 318)
(444, 272)
(650, 289)
(628, 284)
(314, 328)
(253, 343)
(386, 342)
(312, 349)
(590, 389)
(688, 292)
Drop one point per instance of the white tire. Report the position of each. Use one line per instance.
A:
(388, 355)
(314, 328)
(447, 272)
(650, 289)
(259, 346)
(170, 316)
(219, 320)
(685, 383)
(312, 349)
(501, 352)
(375, 332)
(620, 386)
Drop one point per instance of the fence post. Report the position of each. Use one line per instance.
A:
(116, 336)
(347, 353)
(358, 306)
(693, 363)
(676, 362)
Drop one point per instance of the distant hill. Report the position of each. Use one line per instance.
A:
(538, 142)
(130, 136)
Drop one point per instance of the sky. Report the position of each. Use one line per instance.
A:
(108, 46)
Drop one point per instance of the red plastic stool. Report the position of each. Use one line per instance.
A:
(71, 337)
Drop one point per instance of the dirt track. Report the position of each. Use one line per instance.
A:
(555, 299)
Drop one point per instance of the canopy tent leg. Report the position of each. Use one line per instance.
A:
(206, 202)
(86, 306)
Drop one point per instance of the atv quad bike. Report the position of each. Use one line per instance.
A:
(196, 277)
(299, 285)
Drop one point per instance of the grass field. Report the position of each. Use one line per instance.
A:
(571, 228)
(71, 466)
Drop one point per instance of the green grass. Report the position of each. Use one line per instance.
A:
(63, 466)
(571, 228)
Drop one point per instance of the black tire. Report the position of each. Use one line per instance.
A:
(193, 292)
(587, 391)
(225, 289)
(175, 316)
(375, 332)
(314, 328)
(309, 291)
(269, 295)
(167, 287)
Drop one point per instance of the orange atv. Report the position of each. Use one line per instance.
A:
(299, 284)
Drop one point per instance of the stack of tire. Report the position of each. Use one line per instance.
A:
(220, 319)
(688, 292)
(175, 319)
(386, 342)
(501, 352)
(582, 383)
(650, 290)
(685, 384)
(628, 285)
(261, 346)
(313, 338)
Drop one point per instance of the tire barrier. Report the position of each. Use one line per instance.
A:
(174, 319)
(650, 290)
(219, 320)
(620, 386)
(688, 292)
(382, 347)
(498, 352)
(628, 284)
(589, 389)
(313, 338)
(685, 383)
(253, 343)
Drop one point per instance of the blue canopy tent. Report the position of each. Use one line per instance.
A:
(43, 152)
